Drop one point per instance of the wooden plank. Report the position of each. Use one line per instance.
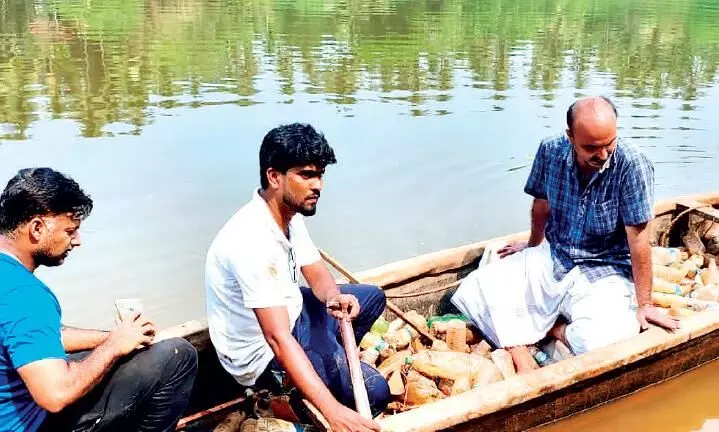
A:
(319, 420)
(699, 208)
(669, 205)
(204, 414)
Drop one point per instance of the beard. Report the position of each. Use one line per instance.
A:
(47, 259)
(303, 207)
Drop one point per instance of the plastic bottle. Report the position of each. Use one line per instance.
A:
(399, 339)
(708, 293)
(370, 356)
(540, 356)
(713, 272)
(689, 269)
(697, 259)
(662, 286)
(457, 336)
(668, 274)
(370, 340)
(503, 360)
(665, 256)
(379, 327)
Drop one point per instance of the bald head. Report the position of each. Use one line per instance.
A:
(592, 107)
(592, 129)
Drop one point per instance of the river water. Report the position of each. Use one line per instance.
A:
(434, 108)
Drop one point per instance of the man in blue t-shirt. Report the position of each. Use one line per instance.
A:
(105, 381)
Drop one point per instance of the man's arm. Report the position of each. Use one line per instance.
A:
(325, 288)
(641, 254)
(321, 281)
(76, 339)
(540, 214)
(56, 383)
(275, 326)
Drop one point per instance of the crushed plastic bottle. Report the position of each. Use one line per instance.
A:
(379, 327)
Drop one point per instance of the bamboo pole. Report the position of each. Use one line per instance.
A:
(391, 306)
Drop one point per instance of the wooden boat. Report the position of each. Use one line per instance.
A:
(425, 283)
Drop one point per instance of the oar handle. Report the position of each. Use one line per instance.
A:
(391, 306)
(358, 387)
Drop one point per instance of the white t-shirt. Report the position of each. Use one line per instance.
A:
(251, 264)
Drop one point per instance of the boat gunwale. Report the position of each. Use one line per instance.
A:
(479, 402)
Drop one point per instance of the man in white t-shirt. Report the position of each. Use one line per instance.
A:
(266, 327)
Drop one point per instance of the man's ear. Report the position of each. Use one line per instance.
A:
(274, 178)
(36, 228)
(570, 135)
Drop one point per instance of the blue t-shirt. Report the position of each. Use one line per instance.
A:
(29, 331)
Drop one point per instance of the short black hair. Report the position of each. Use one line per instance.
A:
(293, 145)
(571, 112)
(40, 192)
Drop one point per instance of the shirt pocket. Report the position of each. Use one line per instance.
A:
(603, 218)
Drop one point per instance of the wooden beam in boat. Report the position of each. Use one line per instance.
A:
(194, 331)
(699, 208)
(669, 205)
(205, 414)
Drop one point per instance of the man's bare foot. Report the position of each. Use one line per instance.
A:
(558, 332)
(522, 358)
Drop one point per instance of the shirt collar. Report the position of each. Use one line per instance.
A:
(264, 211)
(12, 257)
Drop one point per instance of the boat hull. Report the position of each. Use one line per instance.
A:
(425, 283)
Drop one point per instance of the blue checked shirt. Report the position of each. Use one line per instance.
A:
(586, 228)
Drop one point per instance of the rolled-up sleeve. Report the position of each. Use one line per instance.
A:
(636, 196)
(536, 185)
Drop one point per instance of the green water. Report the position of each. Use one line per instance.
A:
(434, 107)
(114, 66)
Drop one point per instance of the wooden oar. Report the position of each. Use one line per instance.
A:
(358, 387)
(391, 306)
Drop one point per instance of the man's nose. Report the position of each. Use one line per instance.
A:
(317, 184)
(75, 240)
(603, 154)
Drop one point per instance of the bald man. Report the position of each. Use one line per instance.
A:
(585, 275)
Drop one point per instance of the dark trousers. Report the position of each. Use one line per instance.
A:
(319, 335)
(146, 391)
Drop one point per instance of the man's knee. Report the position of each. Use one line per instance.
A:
(377, 389)
(587, 335)
(170, 359)
(177, 351)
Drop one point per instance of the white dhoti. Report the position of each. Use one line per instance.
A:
(516, 301)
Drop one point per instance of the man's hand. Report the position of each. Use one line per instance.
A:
(649, 314)
(343, 306)
(512, 248)
(134, 331)
(343, 419)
